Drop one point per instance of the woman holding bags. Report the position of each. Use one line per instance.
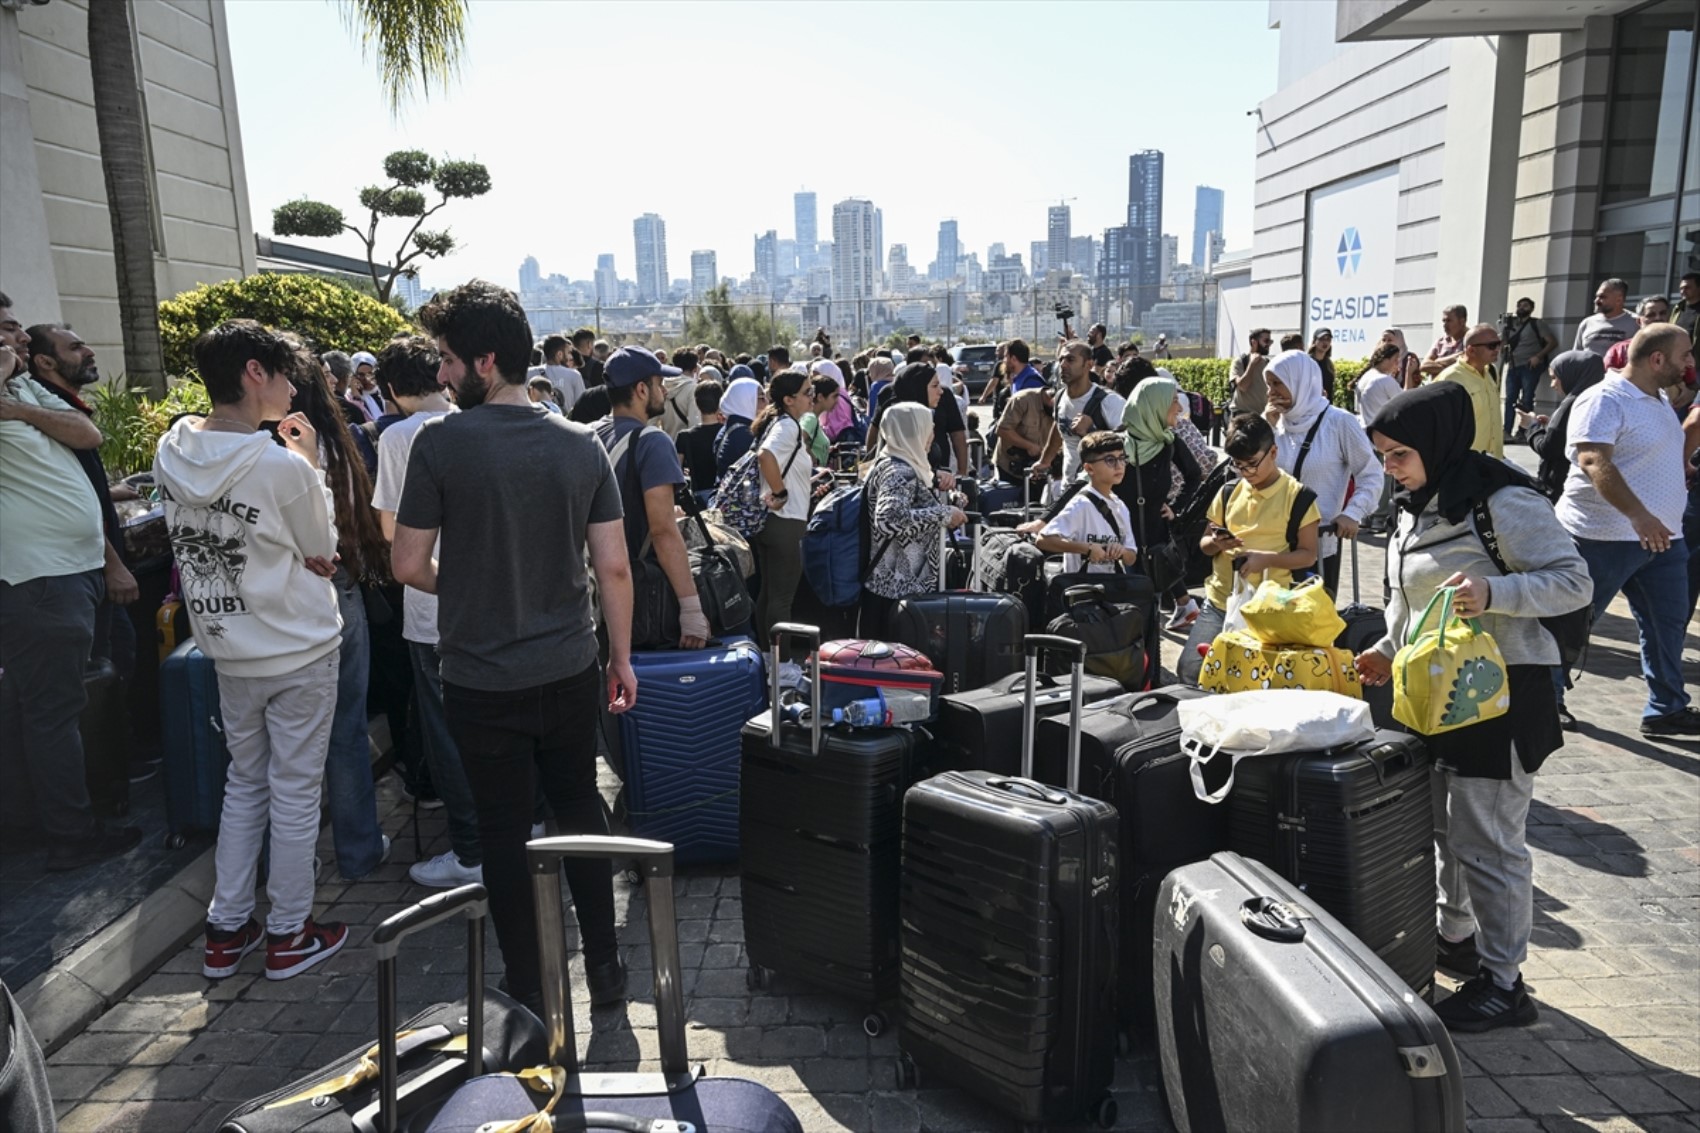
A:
(904, 517)
(1484, 771)
(1153, 408)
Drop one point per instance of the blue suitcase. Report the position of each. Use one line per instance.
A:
(679, 745)
(193, 754)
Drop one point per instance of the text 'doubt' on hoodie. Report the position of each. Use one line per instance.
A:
(245, 515)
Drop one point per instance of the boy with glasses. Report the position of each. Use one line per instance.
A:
(1262, 526)
(1094, 530)
(1474, 371)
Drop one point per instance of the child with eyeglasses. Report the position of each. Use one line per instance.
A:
(1094, 530)
(1263, 525)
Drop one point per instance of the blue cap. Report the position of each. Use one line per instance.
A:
(630, 365)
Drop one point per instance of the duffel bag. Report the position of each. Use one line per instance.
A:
(1114, 635)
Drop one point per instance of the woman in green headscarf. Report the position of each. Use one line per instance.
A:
(1149, 422)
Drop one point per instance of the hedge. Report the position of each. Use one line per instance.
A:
(328, 314)
(1209, 376)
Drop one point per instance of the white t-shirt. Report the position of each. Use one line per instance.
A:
(568, 383)
(782, 439)
(1646, 439)
(1081, 521)
(1068, 409)
(395, 445)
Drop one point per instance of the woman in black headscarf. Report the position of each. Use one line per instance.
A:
(1485, 772)
(1572, 372)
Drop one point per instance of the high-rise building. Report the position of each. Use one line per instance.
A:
(1083, 255)
(1206, 218)
(705, 273)
(803, 204)
(607, 280)
(1039, 257)
(1170, 253)
(1057, 234)
(879, 245)
(785, 260)
(1145, 225)
(650, 234)
(994, 254)
(944, 264)
(530, 275)
(898, 265)
(855, 259)
(1214, 245)
(767, 257)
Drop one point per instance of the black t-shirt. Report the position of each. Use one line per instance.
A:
(591, 371)
(590, 408)
(696, 453)
(1102, 355)
(947, 419)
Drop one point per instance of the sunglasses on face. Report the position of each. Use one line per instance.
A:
(1494, 345)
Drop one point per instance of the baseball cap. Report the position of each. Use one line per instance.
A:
(630, 365)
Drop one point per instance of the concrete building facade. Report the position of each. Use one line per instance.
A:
(56, 257)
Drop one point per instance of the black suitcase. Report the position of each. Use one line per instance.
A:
(1009, 934)
(1364, 627)
(1130, 756)
(106, 739)
(980, 729)
(1271, 1015)
(973, 639)
(820, 813)
(387, 1086)
(1354, 829)
(677, 1098)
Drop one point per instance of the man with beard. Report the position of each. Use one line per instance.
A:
(518, 495)
(646, 467)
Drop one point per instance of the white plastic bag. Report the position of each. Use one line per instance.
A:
(1242, 592)
(1247, 724)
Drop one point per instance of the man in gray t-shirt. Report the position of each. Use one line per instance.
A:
(1610, 323)
(1529, 346)
(518, 496)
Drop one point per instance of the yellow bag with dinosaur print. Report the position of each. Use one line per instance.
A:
(1448, 675)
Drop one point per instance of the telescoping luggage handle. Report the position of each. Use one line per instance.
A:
(1032, 645)
(469, 901)
(782, 632)
(543, 859)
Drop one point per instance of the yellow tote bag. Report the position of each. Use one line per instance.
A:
(1293, 615)
(1449, 675)
(1239, 662)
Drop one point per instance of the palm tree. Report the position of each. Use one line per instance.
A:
(417, 44)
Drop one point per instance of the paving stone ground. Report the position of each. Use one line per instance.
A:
(1615, 967)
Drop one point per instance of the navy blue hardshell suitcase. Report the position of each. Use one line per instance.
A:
(1271, 1015)
(679, 745)
(193, 755)
(1009, 932)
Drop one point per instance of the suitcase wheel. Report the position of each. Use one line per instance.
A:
(176, 841)
(757, 977)
(908, 1074)
(874, 1024)
(1104, 1113)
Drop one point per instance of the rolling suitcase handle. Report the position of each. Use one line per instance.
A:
(543, 859)
(470, 901)
(1033, 645)
(784, 631)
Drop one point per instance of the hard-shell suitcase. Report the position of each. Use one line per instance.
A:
(998, 496)
(1009, 932)
(980, 729)
(856, 668)
(193, 756)
(674, 1099)
(973, 639)
(819, 819)
(1364, 627)
(106, 740)
(384, 1087)
(1271, 1015)
(679, 745)
(1354, 829)
(1130, 756)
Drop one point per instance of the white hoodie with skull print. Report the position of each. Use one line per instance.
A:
(245, 515)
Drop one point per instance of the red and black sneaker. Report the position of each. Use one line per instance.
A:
(227, 946)
(290, 954)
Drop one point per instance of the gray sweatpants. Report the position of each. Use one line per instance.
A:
(1485, 875)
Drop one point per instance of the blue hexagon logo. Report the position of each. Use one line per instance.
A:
(1350, 252)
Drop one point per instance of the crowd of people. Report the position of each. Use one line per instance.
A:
(321, 490)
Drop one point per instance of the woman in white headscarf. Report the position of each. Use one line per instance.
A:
(905, 517)
(1325, 448)
(739, 404)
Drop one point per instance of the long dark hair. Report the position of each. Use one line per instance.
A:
(786, 383)
(912, 383)
(359, 540)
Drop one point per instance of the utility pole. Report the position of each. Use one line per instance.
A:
(599, 316)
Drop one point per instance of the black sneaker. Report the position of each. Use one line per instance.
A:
(97, 847)
(1458, 958)
(1482, 1005)
(607, 982)
(1683, 724)
(1567, 721)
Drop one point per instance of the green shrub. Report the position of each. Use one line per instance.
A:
(1209, 376)
(328, 314)
(132, 425)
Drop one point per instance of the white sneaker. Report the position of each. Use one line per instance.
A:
(445, 872)
(1184, 616)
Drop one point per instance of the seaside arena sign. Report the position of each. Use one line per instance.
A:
(1350, 230)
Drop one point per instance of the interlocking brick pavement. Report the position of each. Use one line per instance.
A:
(1615, 967)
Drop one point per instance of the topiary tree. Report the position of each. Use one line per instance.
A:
(328, 314)
(407, 170)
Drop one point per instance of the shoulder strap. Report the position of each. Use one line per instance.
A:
(1304, 449)
(1104, 510)
(1302, 499)
(626, 446)
(1482, 517)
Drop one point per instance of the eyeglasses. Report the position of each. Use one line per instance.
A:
(1113, 459)
(1247, 467)
(1494, 345)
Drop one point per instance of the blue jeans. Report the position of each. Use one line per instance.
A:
(1521, 382)
(1203, 632)
(1654, 583)
(349, 795)
(448, 774)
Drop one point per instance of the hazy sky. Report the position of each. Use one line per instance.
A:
(713, 114)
